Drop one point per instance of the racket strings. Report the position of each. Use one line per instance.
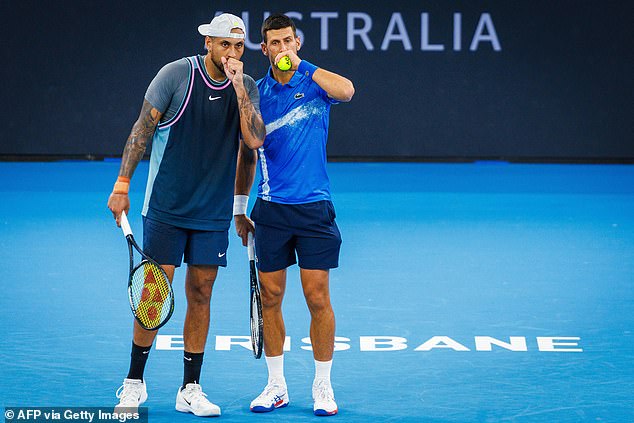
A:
(150, 294)
(256, 326)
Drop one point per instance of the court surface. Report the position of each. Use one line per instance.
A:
(480, 292)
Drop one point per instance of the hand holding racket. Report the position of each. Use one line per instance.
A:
(149, 289)
(256, 303)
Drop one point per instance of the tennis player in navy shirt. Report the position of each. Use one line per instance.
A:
(294, 216)
(201, 114)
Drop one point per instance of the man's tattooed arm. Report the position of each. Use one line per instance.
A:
(251, 123)
(141, 133)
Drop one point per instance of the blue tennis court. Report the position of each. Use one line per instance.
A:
(476, 292)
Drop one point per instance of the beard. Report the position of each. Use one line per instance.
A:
(218, 64)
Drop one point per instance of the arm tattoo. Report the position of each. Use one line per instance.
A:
(253, 120)
(256, 125)
(142, 131)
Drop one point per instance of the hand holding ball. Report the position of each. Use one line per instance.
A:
(284, 63)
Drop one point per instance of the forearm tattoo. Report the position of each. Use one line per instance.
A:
(253, 120)
(141, 133)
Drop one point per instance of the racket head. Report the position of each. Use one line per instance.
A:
(150, 294)
(257, 324)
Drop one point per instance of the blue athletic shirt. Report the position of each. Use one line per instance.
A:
(293, 157)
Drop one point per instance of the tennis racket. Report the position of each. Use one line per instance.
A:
(149, 289)
(256, 303)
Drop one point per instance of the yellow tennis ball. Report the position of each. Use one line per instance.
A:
(284, 64)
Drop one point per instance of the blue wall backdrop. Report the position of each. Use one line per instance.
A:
(524, 80)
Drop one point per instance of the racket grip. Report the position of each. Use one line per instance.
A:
(125, 225)
(251, 246)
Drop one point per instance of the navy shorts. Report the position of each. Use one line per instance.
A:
(167, 244)
(284, 230)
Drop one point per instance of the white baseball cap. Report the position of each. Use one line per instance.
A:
(221, 26)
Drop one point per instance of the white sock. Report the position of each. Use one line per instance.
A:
(276, 367)
(322, 370)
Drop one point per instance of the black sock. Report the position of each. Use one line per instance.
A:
(138, 358)
(193, 363)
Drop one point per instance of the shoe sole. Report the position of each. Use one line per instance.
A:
(320, 412)
(184, 409)
(260, 409)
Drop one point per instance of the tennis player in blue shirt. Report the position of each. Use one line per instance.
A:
(294, 216)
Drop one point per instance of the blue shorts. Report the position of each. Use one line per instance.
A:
(167, 244)
(308, 230)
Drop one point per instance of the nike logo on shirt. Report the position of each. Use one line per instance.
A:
(214, 98)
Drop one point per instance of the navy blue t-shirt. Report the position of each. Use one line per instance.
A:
(194, 151)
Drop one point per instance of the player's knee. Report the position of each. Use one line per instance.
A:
(200, 294)
(271, 296)
(318, 301)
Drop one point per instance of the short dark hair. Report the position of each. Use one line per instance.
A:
(277, 21)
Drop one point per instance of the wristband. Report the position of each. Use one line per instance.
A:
(306, 69)
(122, 186)
(240, 203)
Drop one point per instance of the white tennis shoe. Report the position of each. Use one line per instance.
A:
(324, 397)
(274, 395)
(131, 395)
(192, 399)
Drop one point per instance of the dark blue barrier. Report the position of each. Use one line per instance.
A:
(521, 80)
